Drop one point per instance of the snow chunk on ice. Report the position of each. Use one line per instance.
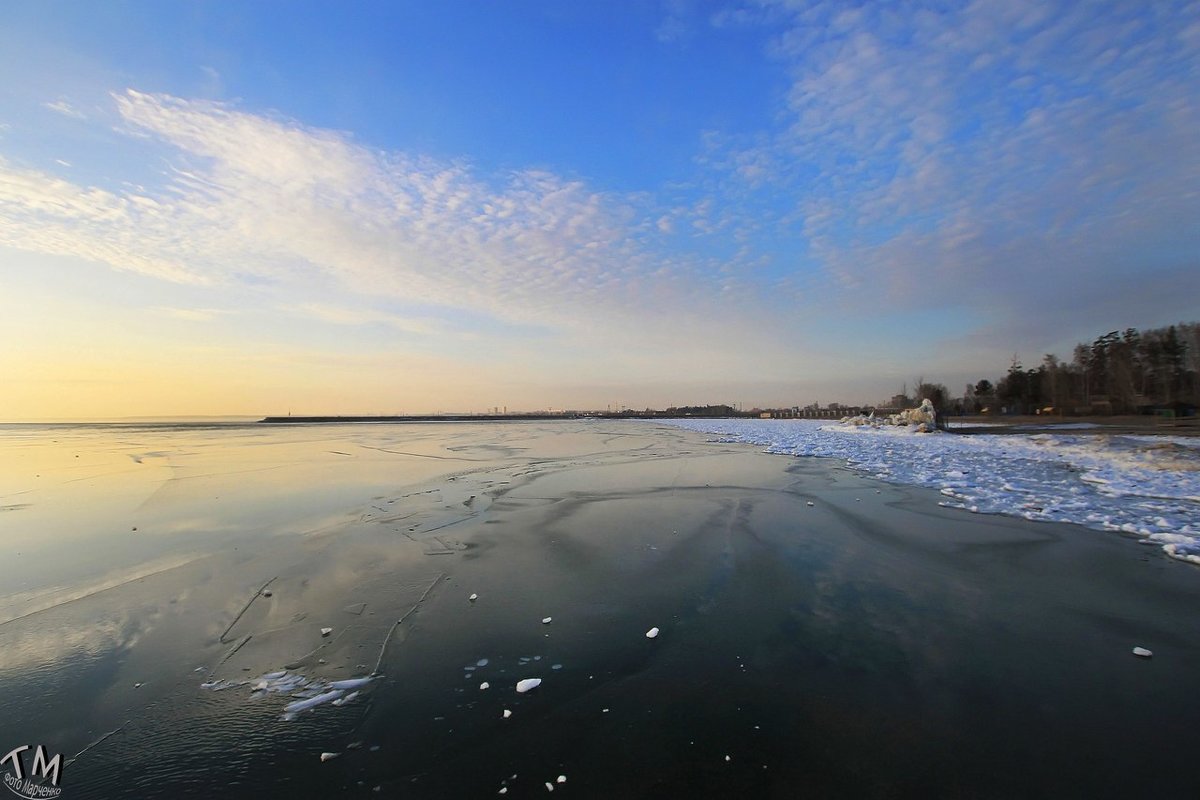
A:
(525, 685)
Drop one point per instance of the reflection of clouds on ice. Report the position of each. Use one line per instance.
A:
(1144, 485)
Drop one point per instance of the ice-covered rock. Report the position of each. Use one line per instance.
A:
(527, 684)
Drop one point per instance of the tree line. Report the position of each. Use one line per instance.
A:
(1121, 372)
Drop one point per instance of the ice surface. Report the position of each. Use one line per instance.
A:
(1143, 485)
(526, 684)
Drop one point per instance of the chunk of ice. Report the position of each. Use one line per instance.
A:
(507, 713)
(351, 683)
(652, 633)
(1142, 652)
(547, 620)
(484, 685)
(312, 702)
(329, 756)
(326, 631)
(473, 597)
(525, 685)
(562, 779)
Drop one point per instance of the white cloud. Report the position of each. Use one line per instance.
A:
(340, 315)
(944, 155)
(61, 106)
(252, 200)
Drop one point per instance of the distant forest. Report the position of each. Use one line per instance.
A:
(1121, 372)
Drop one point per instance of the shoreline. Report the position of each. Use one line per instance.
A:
(808, 614)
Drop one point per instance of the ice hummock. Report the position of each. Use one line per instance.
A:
(1147, 486)
(922, 419)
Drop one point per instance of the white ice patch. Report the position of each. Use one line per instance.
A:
(309, 692)
(525, 685)
(1144, 485)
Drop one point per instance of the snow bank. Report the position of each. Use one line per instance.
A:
(1148, 486)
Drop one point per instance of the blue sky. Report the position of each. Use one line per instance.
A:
(331, 208)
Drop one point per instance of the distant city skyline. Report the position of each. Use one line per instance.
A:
(211, 209)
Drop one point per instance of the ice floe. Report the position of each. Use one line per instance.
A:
(1148, 486)
(527, 684)
(652, 633)
(308, 693)
(1142, 652)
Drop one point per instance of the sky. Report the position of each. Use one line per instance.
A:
(411, 207)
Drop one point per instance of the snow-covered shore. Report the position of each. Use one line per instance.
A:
(1143, 485)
